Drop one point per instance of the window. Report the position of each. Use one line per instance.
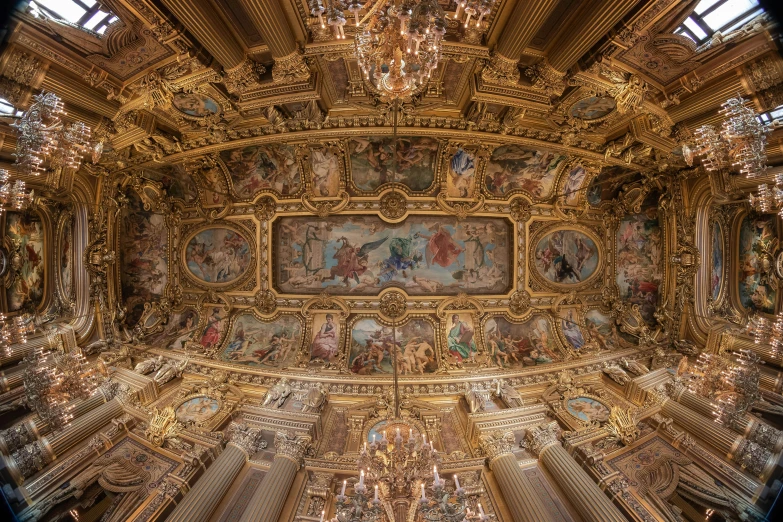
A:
(88, 14)
(712, 16)
(774, 114)
(8, 109)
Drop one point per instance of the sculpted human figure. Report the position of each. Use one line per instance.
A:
(168, 371)
(508, 394)
(617, 374)
(278, 393)
(316, 396)
(149, 365)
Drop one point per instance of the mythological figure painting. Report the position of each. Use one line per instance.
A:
(569, 322)
(362, 255)
(180, 328)
(601, 329)
(716, 275)
(461, 175)
(256, 343)
(144, 257)
(639, 260)
(263, 167)
(374, 161)
(573, 182)
(325, 344)
(461, 337)
(218, 255)
(593, 107)
(756, 291)
(512, 167)
(325, 166)
(195, 104)
(372, 347)
(587, 409)
(566, 257)
(197, 409)
(606, 185)
(177, 183)
(518, 345)
(26, 233)
(215, 187)
(66, 257)
(214, 328)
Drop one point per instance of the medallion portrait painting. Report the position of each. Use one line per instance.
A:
(325, 343)
(362, 255)
(143, 239)
(325, 166)
(374, 163)
(179, 329)
(66, 257)
(372, 347)
(263, 168)
(716, 276)
(256, 343)
(519, 345)
(593, 107)
(756, 291)
(195, 104)
(566, 257)
(639, 260)
(587, 409)
(27, 289)
(197, 410)
(461, 175)
(217, 255)
(512, 167)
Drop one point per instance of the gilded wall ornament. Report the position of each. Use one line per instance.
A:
(393, 305)
(394, 205)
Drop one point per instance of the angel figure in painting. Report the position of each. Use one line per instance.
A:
(351, 260)
(462, 169)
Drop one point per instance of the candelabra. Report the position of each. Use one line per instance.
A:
(476, 9)
(400, 45)
(741, 141)
(14, 330)
(765, 331)
(13, 195)
(359, 507)
(447, 504)
(43, 137)
(54, 377)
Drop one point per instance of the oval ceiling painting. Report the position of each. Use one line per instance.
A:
(566, 257)
(218, 255)
(195, 104)
(593, 107)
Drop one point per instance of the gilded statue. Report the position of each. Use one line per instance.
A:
(149, 365)
(168, 371)
(617, 374)
(315, 398)
(277, 394)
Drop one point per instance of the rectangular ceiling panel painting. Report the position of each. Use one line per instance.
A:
(376, 161)
(423, 255)
(26, 233)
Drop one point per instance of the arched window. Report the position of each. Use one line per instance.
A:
(712, 16)
(88, 14)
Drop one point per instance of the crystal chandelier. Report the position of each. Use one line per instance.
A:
(400, 45)
(42, 137)
(477, 9)
(741, 140)
(13, 194)
(14, 330)
(54, 377)
(765, 331)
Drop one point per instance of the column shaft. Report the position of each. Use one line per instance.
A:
(707, 99)
(720, 438)
(268, 499)
(77, 92)
(269, 19)
(582, 492)
(202, 499)
(82, 427)
(203, 21)
(524, 23)
(521, 499)
(592, 23)
(10, 379)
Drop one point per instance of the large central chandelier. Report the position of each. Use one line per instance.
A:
(400, 45)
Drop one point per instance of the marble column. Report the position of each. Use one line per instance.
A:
(751, 428)
(269, 18)
(584, 494)
(519, 494)
(200, 502)
(525, 21)
(591, 24)
(34, 427)
(734, 446)
(31, 458)
(268, 499)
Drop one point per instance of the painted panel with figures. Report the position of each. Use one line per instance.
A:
(566, 257)
(519, 345)
(177, 183)
(195, 104)
(259, 168)
(144, 257)
(461, 174)
(214, 328)
(513, 167)
(756, 290)
(267, 344)
(178, 330)
(26, 233)
(602, 330)
(325, 342)
(716, 275)
(66, 256)
(218, 255)
(325, 168)
(372, 345)
(573, 184)
(569, 323)
(377, 160)
(197, 409)
(587, 409)
(362, 255)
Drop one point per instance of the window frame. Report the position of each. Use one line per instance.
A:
(89, 12)
(698, 19)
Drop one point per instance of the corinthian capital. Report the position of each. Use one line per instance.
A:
(541, 437)
(243, 77)
(290, 69)
(547, 78)
(501, 70)
(291, 445)
(497, 444)
(247, 439)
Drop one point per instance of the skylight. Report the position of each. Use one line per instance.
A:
(8, 109)
(84, 13)
(774, 114)
(712, 16)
